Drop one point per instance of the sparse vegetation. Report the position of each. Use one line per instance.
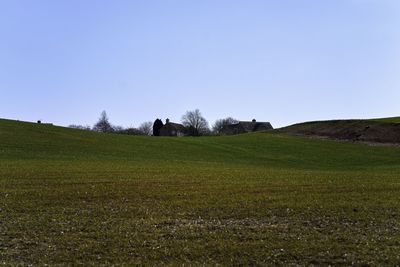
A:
(79, 197)
(81, 127)
(377, 131)
(146, 128)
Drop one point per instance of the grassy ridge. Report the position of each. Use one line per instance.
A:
(388, 120)
(71, 196)
(32, 141)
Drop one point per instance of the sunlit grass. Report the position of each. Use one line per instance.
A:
(69, 196)
(390, 120)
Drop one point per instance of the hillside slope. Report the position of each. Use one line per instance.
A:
(388, 120)
(385, 131)
(22, 141)
(72, 197)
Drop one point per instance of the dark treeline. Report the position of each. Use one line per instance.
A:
(104, 125)
(192, 124)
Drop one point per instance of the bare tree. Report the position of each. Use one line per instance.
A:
(129, 131)
(118, 128)
(195, 122)
(146, 128)
(103, 124)
(221, 123)
(81, 127)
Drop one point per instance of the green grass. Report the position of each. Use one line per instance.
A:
(70, 196)
(388, 120)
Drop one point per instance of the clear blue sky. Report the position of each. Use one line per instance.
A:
(282, 61)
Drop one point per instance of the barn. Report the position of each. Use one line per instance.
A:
(246, 127)
(172, 129)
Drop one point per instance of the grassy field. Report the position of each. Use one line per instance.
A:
(389, 120)
(70, 196)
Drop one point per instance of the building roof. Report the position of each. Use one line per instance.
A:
(246, 126)
(176, 126)
(172, 129)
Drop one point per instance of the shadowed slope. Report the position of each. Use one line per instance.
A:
(376, 130)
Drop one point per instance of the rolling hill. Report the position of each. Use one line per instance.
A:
(385, 131)
(78, 197)
(388, 120)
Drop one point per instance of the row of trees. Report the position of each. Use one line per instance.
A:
(104, 125)
(192, 120)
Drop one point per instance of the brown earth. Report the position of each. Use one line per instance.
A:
(352, 130)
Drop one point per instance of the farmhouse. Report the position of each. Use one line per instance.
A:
(172, 129)
(246, 127)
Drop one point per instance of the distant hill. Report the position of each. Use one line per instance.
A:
(385, 130)
(388, 120)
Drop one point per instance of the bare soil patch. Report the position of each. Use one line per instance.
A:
(370, 132)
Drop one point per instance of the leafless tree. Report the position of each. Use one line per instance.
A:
(221, 123)
(146, 128)
(195, 122)
(129, 131)
(103, 124)
(118, 128)
(81, 127)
